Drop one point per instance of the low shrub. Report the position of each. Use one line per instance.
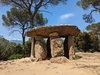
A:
(15, 56)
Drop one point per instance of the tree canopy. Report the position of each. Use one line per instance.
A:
(18, 19)
(31, 7)
(93, 4)
(95, 27)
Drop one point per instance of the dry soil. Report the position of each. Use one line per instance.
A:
(89, 64)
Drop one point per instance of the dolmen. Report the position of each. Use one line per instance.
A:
(55, 46)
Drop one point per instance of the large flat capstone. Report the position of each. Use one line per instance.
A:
(62, 30)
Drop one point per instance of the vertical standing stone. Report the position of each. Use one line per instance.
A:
(71, 47)
(40, 48)
(32, 48)
(56, 44)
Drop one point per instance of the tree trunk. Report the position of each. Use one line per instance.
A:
(23, 42)
(31, 23)
(23, 35)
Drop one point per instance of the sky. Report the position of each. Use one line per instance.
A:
(68, 13)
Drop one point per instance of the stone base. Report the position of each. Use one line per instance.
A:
(61, 59)
(71, 53)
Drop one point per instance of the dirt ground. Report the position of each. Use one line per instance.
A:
(89, 64)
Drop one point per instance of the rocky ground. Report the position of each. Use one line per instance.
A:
(89, 64)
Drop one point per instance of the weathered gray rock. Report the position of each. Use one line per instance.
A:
(55, 45)
(71, 52)
(45, 31)
(39, 38)
(53, 34)
(71, 47)
(32, 48)
(40, 50)
(61, 59)
(57, 48)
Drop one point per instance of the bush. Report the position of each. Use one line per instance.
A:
(91, 50)
(27, 48)
(15, 56)
(9, 50)
(82, 41)
(86, 42)
(20, 51)
(4, 54)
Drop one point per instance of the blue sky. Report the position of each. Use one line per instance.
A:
(68, 13)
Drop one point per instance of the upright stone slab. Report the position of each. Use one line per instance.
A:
(40, 48)
(33, 48)
(71, 47)
(56, 44)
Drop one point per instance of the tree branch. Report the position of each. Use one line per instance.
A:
(15, 31)
(45, 11)
(36, 10)
(45, 3)
(88, 18)
(25, 3)
(18, 5)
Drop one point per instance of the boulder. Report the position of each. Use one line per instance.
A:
(40, 50)
(71, 47)
(71, 52)
(57, 48)
(53, 34)
(39, 38)
(61, 59)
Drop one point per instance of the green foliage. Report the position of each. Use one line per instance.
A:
(86, 42)
(3, 45)
(9, 50)
(15, 56)
(19, 20)
(83, 41)
(85, 4)
(20, 51)
(27, 48)
(95, 28)
(92, 27)
(43, 3)
(95, 42)
(26, 13)
(39, 20)
(3, 42)
(32, 7)
(18, 17)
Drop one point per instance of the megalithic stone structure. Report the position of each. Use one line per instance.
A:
(55, 47)
(56, 44)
